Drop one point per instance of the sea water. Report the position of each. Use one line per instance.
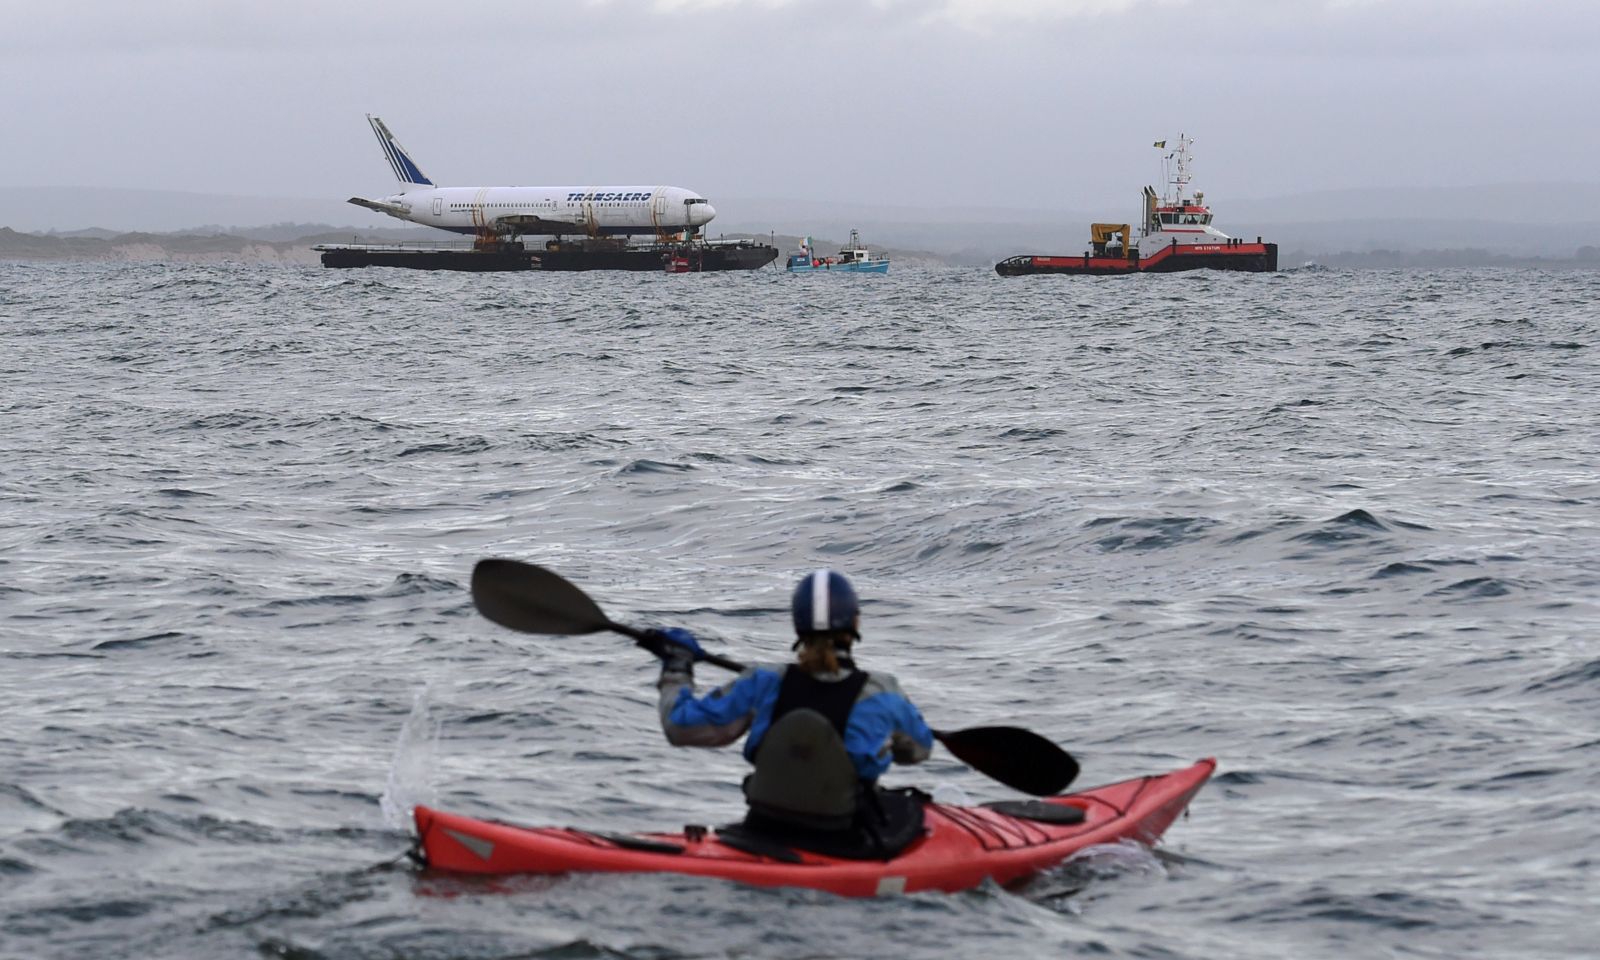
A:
(1340, 530)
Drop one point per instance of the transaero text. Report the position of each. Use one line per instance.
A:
(601, 197)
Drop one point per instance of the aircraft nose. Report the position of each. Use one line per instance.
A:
(703, 212)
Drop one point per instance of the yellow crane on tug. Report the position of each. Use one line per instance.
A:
(1102, 234)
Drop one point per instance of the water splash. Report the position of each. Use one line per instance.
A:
(411, 771)
(1124, 857)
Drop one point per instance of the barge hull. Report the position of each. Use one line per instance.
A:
(706, 258)
(474, 260)
(556, 256)
(1243, 257)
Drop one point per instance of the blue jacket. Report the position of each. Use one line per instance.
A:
(884, 726)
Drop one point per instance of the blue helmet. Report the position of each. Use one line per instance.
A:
(823, 602)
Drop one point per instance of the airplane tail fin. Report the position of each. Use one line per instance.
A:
(405, 170)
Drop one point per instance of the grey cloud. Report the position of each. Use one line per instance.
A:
(825, 99)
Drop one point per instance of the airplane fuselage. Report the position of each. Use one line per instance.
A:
(517, 211)
(553, 210)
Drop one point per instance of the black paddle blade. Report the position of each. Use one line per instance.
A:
(1018, 758)
(533, 600)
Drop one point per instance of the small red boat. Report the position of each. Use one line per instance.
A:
(1176, 235)
(960, 849)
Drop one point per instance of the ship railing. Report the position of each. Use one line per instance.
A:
(399, 246)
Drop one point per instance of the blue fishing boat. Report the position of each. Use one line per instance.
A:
(852, 258)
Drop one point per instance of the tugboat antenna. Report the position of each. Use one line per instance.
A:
(1181, 181)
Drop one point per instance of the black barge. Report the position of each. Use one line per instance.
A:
(693, 256)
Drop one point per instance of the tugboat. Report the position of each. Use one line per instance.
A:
(1176, 235)
(852, 258)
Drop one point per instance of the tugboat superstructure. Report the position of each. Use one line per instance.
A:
(1176, 234)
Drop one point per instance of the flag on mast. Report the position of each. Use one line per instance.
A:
(1160, 144)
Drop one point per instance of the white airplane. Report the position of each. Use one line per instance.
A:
(514, 211)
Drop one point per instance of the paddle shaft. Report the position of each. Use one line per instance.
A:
(649, 642)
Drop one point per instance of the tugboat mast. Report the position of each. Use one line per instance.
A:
(1180, 180)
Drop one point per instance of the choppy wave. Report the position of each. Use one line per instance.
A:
(1339, 529)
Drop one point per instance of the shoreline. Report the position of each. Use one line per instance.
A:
(142, 247)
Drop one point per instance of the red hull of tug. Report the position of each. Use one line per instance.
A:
(1245, 257)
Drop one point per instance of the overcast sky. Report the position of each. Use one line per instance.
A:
(1010, 103)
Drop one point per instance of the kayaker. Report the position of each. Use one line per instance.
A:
(820, 731)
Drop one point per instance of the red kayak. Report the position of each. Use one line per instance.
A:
(962, 846)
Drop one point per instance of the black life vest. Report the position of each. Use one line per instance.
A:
(805, 790)
(833, 699)
(803, 775)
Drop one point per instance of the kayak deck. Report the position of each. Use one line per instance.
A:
(962, 846)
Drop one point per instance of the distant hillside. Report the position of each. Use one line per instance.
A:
(94, 245)
(1517, 220)
(182, 247)
(149, 246)
(325, 232)
(1525, 203)
(225, 247)
(1585, 258)
(154, 211)
(974, 243)
(1528, 220)
(1411, 236)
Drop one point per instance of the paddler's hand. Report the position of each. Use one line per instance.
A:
(677, 648)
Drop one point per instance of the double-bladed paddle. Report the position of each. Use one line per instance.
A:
(531, 599)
